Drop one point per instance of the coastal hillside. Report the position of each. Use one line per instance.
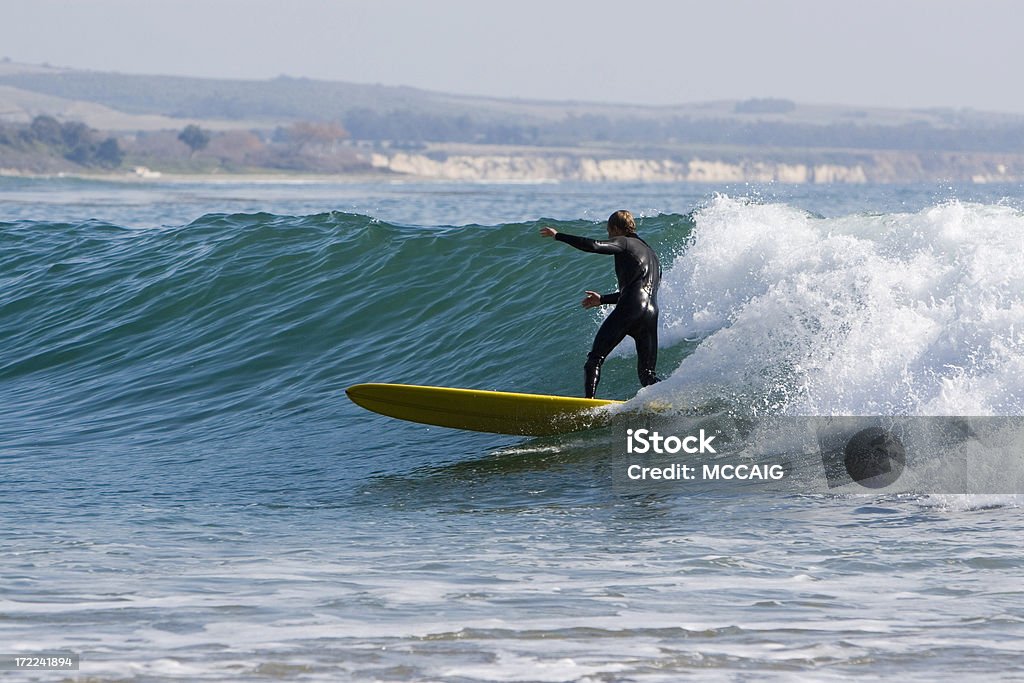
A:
(310, 126)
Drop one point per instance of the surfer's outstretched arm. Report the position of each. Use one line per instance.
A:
(612, 246)
(592, 299)
(616, 245)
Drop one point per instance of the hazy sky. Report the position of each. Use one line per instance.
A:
(902, 53)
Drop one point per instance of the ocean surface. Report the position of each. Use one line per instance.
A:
(188, 495)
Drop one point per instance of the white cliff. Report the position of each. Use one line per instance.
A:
(544, 167)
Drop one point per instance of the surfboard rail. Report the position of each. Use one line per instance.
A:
(479, 410)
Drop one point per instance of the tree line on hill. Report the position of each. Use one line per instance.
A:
(71, 140)
(301, 146)
(47, 145)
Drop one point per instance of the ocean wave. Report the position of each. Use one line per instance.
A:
(236, 317)
(128, 330)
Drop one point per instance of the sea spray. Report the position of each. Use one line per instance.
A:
(917, 314)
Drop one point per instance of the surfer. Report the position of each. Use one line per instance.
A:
(636, 303)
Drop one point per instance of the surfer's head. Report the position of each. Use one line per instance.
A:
(621, 223)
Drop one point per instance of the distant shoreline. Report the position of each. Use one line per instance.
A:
(525, 164)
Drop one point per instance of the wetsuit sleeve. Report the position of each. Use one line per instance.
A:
(616, 246)
(610, 298)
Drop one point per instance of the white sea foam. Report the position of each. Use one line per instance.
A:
(914, 314)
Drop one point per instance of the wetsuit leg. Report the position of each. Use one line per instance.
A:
(646, 338)
(612, 331)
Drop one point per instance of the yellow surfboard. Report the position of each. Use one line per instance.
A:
(497, 412)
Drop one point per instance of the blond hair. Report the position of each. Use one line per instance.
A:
(622, 220)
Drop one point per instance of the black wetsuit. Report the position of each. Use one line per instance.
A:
(636, 305)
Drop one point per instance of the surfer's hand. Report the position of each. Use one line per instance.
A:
(591, 300)
(548, 232)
